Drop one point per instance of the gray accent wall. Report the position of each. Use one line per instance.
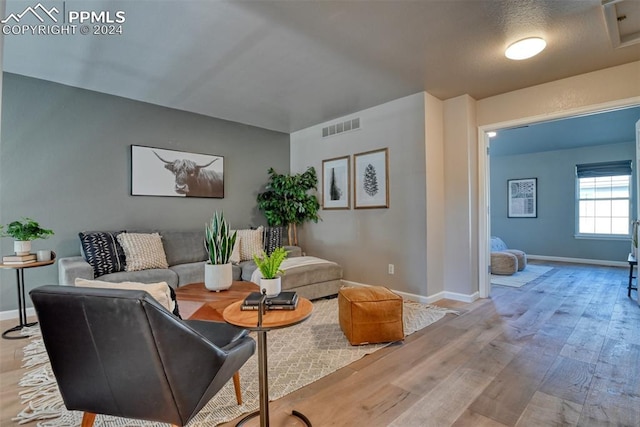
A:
(65, 162)
(552, 232)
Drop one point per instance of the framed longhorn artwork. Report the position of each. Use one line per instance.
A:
(161, 172)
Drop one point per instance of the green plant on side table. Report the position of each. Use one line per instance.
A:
(219, 243)
(23, 232)
(269, 266)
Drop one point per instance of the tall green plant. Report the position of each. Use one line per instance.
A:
(286, 201)
(269, 265)
(218, 239)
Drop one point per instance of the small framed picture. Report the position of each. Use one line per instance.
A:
(522, 198)
(371, 179)
(336, 183)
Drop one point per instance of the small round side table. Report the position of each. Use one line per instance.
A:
(22, 301)
(263, 321)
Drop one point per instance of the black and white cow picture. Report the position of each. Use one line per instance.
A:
(194, 180)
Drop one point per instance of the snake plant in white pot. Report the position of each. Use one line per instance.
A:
(269, 266)
(219, 242)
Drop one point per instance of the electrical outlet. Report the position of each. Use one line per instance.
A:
(392, 268)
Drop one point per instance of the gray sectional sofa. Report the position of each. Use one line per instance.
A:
(186, 256)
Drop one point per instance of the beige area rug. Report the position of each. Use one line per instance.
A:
(320, 349)
(521, 278)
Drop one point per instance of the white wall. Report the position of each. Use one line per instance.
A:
(562, 97)
(461, 201)
(366, 241)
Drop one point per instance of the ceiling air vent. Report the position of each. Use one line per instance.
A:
(623, 21)
(336, 128)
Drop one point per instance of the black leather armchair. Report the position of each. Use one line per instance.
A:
(119, 352)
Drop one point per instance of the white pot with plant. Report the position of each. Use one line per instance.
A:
(269, 266)
(23, 232)
(219, 242)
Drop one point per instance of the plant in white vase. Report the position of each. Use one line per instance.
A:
(269, 266)
(23, 232)
(219, 243)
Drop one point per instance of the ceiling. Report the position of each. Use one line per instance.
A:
(286, 65)
(608, 127)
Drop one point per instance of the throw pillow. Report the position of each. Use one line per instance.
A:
(235, 254)
(143, 251)
(161, 292)
(272, 239)
(103, 252)
(250, 243)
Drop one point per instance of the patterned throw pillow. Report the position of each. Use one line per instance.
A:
(103, 252)
(272, 239)
(250, 243)
(143, 251)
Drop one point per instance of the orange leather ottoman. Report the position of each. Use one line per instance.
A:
(370, 315)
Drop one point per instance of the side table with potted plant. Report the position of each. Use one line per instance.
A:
(23, 232)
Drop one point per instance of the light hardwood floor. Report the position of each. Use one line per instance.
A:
(563, 350)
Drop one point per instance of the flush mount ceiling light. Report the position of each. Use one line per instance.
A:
(525, 48)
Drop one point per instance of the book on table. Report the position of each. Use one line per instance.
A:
(283, 301)
(18, 258)
(29, 261)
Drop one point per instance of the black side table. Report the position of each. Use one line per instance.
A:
(22, 302)
(632, 262)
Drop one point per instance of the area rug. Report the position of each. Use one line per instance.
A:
(320, 349)
(521, 278)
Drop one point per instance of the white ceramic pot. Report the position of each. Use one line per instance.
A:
(218, 277)
(272, 286)
(43, 255)
(22, 247)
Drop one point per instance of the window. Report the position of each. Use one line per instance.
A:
(604, 199)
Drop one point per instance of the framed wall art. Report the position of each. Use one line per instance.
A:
(336, 183)
(371, 179)
(161, 172)
(522, 198)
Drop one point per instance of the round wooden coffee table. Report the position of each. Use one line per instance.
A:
(213, 303)
(270, 319)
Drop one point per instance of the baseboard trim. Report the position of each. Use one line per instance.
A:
(14, 314)
(604, 262)
(426, 300)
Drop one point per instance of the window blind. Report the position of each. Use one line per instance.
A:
(594, 170)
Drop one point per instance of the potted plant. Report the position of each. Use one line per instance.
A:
(219, 243)
(23, 232)
(286, 201)
(269, 266)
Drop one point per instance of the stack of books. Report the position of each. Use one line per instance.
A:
(284, 301)
(18, 259)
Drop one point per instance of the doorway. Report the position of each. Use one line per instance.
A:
(484, 169)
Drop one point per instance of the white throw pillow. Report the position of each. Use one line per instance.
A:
(159, 291)
(143, 251)
(235, 254)
(250, 243)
